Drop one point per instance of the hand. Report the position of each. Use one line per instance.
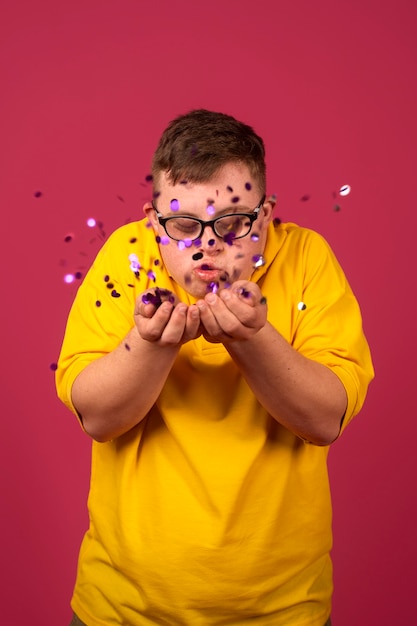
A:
(162, 319)
(234, 314)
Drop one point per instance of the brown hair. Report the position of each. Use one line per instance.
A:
(196, 145)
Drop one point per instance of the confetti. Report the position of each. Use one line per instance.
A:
(305, 197)
(254, 237)
(211, 242)
(68, 237)
(127, 346)
(213, 287)
(98, 303)
(211, 210)
(248, 186)
(344, 190)
(115, 294)
(336, 207)
(156, 298)
(38, 194)
(235, 199)
(175, 205)
(91, 222)
(197, 256)
(258, 260)
(53, 367)
(69, 278)
(149, 178)
(301, 306)
(263, 300)
(229, 238)
(244, 292)
(229, 188)
(134, 263)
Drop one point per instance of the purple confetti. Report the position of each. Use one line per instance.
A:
(255, 237)
(174, 204)
(115, 294)
(229, 238)
(213, 287)
(211, 210)
(133, 240)
(68, 237)
(127, 346)
(149, 178)
(197, 256)
(98, 303)
(235, 199)
(258, 260)
(248, 186)
(53, 367)
(229, 188)
(38, 194)
(211, 242)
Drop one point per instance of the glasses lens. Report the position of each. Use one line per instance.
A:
(235, 225)
(183, 228)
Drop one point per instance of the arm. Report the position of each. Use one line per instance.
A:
(115, 392)
(301, 394)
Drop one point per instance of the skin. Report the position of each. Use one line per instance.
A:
(304, 396)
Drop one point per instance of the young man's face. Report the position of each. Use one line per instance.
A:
(210, 263)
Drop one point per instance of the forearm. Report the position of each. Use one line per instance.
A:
(304, 396)
(115, 392)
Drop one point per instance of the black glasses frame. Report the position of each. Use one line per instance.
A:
(212, 223)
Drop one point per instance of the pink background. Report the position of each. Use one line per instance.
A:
(86, 89)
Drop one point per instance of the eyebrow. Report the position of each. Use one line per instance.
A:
(233, 208)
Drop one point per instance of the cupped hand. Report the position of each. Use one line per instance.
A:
(162, 319)
(234, 314)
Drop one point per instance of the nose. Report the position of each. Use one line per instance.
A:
(210, 242)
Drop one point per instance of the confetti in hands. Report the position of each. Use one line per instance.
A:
(234, 314)
(163, 320)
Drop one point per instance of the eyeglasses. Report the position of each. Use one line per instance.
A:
(228, 227)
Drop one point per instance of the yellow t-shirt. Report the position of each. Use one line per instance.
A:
(209, 512)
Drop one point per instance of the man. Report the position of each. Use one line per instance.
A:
(213, 355)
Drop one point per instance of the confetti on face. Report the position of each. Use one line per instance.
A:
(197, 256)
(301, 306)
(254, 237)
(211, 210)
(344, 190)
(197, 242)
(211, 242)
(235, 199)
(258, 260)
(174, 204)
(248, 186)
(91, 222)
(229, 238)
(127, 346)
(181, 245)
(229, 188)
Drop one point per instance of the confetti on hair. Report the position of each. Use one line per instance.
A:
(258, 260)
(301, 306)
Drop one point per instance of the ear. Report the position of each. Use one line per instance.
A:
(269, 206)
(150, 214)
